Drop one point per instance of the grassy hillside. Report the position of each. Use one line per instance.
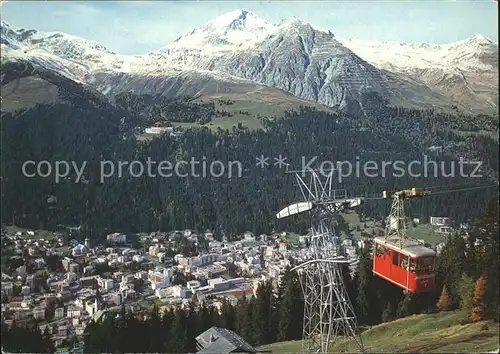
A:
(25, 92)
(262, 100)
(433, 333)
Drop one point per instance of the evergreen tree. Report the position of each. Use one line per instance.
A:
(244, 318)
(291, 308)
(466, 293)
(261, 312)
(135, 328)
(450, 267)
(25, 339)
(166, 326)
(178, 342)
(91, 334)
(228, 316)
(204, 318)
(408, 305)
(389, 312)
(276, 299)
(486, 230)
(192, 328)
(365, 302)
(47, 339)
(155, 334)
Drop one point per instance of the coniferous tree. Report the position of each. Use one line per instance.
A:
(155, 331)
(263, 310)
(408, 305)
(450, 267)
(92, 343)
(204, 318)
(192, 327)
(166, 326)
(366, 310)
(277, 297)
(249, 327)
(178, 342)
(291, 308)
(47, 339)
(244, 318)
(228, 316)
(487, 231)
(389, 312)
(466, 293)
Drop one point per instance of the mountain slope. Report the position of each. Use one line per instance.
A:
(89, 64)
(24, 85)
(465, 71)
(240, 52)
(292, 56)
(436, 333)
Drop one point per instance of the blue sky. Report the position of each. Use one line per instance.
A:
(139, 27)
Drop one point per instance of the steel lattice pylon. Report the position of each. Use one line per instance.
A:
(397, 223)
(329, 317)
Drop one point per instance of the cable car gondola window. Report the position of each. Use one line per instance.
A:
(404, 261)
(412, 265)
(379, 251)
(425, 265)
(395, 258)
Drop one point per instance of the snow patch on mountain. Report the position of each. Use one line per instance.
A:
(465, 54)
(235, 29)
(80, 51)
(238, 47)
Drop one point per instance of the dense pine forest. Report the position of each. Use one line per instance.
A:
(161, 109)
(226, 204)
(467, 279)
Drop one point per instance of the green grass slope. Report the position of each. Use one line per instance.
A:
(431, 333)
(262, 101)
(26, 92)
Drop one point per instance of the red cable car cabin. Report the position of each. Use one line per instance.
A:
(411, 267)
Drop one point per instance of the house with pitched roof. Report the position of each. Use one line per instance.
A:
(222, 341)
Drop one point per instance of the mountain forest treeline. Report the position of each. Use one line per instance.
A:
(227, 204)
(466, 280)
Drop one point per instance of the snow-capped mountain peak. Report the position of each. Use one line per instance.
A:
(235, 28)
(293, 56)
(237, 20)
(64, 45)
(476, 43)
(9, 37)
(479, 39)
(71, 56)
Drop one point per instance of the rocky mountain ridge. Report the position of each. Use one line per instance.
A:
(238, 51)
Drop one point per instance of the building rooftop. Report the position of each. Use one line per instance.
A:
(222, 340)
(411, 249)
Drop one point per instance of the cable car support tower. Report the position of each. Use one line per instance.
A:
(328, 313)
(397, 221)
